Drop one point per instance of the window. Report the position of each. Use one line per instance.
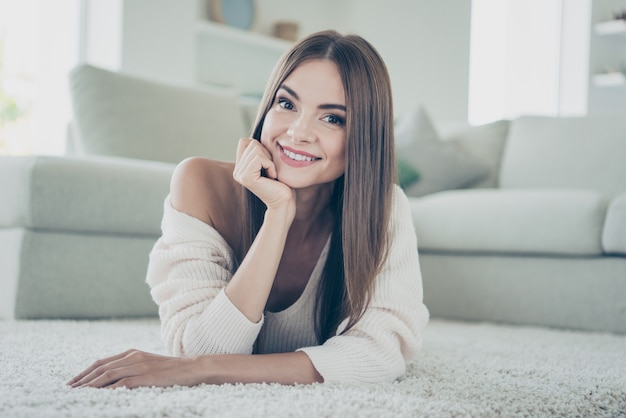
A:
(528, 57)
(39, 43)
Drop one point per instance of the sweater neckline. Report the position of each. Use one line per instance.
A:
(310, 287)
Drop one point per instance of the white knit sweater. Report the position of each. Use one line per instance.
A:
(192, 263)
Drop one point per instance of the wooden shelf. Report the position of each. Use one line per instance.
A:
(611, 27)
(609, 80)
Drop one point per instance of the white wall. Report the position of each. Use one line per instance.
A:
(159, 35)
(158, 38)
(102, 33)
(425, 43)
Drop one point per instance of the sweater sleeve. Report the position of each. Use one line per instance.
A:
(389, 333)
(189, 267)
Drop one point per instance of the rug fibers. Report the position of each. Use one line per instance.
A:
(464, 370)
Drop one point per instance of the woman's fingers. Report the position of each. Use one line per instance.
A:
(136, 368)
(241, 147)
(96, 365)
(111, 369)
(252, 158)
(170, 373)
(134, 375)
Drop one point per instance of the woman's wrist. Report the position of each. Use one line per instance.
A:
(284, 368)
(281, 215)
(208, 368)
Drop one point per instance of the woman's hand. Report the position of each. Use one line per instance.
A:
(252, 158)
(135, 368)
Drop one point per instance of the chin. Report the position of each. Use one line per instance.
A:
(294, 183)
(298, 182)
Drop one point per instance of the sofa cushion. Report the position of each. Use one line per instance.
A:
(614, 234)
(574, 153)
(486, 144)
(121, 115)
(511, 221)
(441, 165)
(84, 194)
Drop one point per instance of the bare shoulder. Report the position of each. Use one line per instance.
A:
(206, 190)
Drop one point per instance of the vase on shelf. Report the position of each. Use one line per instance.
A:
(235, 13)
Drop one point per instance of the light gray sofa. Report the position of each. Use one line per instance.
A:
(540, 242)
(76, 230)
(547, 245)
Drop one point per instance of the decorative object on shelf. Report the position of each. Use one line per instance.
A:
(619, 14)
(236, 13)
(286, 30)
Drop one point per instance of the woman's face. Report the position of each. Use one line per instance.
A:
(304, 129)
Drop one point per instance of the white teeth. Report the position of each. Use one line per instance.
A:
(297, 157)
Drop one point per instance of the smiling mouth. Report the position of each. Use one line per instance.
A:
(297, 157)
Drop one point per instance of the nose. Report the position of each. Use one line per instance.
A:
(301, 130)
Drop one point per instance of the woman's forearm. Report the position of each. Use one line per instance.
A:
(250, 286)
(133, 369)
(283, 368)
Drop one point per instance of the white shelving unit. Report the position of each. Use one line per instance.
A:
(610, 29)
(236, 58)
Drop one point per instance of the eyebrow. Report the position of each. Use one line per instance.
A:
(322, 106)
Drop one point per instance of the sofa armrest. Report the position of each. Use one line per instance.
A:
(614, 232)
(83, 194)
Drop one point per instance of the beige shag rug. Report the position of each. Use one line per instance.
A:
(465, 369)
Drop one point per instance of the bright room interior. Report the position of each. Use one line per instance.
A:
(473, 62)
(510, 145)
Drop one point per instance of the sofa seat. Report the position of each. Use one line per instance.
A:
(554, 222)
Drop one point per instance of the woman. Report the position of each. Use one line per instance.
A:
(321, 280)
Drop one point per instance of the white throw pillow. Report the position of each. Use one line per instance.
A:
(441, 165)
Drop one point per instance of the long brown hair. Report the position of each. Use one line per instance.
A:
(361, 197)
